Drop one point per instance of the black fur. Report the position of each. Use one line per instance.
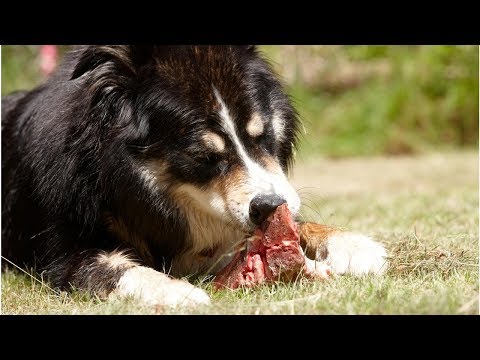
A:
(71, 149)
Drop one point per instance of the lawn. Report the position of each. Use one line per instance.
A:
(424, 209)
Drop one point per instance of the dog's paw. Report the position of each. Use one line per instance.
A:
(317, 269)
(356, 254)
(157, 289)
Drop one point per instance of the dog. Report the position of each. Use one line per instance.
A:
(132, 167)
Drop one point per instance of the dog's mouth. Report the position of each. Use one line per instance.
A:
(273, 251)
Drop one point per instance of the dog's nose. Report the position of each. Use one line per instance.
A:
(263, 205)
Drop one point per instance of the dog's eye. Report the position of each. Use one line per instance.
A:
(211, 159)
(215, 162)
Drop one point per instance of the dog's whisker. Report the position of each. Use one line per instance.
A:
(315, 211)
(307, 187)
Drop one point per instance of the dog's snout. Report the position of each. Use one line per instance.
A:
(263, 205)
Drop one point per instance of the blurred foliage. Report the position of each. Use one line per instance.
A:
(354, 100)
(361, 100)
(21, 67)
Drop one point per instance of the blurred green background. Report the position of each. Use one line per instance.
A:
(354, 100)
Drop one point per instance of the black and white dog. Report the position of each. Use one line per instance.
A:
(134, 162)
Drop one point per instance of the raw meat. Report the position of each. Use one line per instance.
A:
(273, 253)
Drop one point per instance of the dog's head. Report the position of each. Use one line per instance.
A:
(212, 127)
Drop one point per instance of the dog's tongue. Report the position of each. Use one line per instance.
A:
(274, 253)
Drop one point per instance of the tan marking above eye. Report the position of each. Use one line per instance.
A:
(255, 125)
(213, 142)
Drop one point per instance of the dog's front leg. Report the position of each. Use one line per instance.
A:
(113, 274)
(344, 251)
(156, 288)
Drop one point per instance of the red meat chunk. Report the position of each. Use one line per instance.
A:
(273, 253)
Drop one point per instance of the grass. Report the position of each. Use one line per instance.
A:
(427, 219)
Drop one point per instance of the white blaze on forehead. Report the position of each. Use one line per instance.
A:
(213, 141)
(229, 127)
(261, 181)
(278, 124)
(255, 125)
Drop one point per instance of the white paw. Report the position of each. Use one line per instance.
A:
(317, 269)
(356, 254)
(155, 288)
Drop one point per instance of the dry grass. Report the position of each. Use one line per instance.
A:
(411, 257)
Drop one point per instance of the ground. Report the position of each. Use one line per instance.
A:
(423, 208)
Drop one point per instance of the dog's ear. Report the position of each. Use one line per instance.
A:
(126, 58)
(109, 78)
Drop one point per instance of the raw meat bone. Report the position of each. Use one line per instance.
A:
(273, 253)
(311, 268)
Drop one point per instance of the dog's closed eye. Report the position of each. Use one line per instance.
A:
(214, 160)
